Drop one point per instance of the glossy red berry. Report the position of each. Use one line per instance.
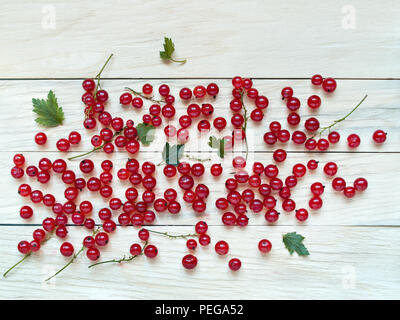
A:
(316, 80)
(315, 203)
(150, 251)
(264, 246)
(293, 103)
(216, 169)
(360, 184)
(329, 85)
(271, 216)
(330, 169)
(279, 155)
(24, 247)
(63, 145)
(301, 214)
(314, 102)
(379, 136)
(288, 205)
(311, 124)
(26, 212)
(221, 247)
(66, 249)
(212, 89)
(312, 164)
(338, 184)
(93, 254)
(189, 261)
(185, 93)
(293, 119)
(334, 137)
(349, 192)
(40, 138)
(199, 91)
(287, 92)
(235, 264)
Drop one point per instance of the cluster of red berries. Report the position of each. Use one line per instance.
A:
(257, 195)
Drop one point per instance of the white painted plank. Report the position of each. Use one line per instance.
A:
(378, 205)
(345, 263)
(225, 38)
(380, 110)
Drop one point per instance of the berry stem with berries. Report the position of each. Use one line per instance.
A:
(26, 256)
(244, 127)
(174, 236)
(123, 259)
(98, 76)
(117, 133)
(140, 94)
(76, 255)
(341, 119)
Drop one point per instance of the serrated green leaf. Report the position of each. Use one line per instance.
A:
(218, 144)
(169, 48)
(294, 243)
(172, 154)
(48, 111)
(145, 133)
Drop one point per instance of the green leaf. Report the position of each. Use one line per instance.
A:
(172, 155)
(49, 114)
(219, 144)
(169, 49)
(145, 133)
(294, 242)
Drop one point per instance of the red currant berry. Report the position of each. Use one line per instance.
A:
(264, 246)
(301, 214)
(40, 138)
(287, 92)
(150, 251)
(334, 137)
(353, 140)
(349, 192)
(379, 136)
(314, 102)
(330, 169)
(360, 184)
(212, 89)
(189, 261)
(329, 85)
(93, 254)
(288, 205)
(338, 184)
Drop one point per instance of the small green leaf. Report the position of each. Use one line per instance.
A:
(172, 154)
(48, 111)
(169, 48)
(294, 242)
(219, 144)
(145, 133)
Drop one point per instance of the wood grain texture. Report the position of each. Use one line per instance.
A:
(219, 39)
(345, 263)
(379, 110)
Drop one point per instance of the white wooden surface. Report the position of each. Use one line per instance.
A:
(353, 243)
